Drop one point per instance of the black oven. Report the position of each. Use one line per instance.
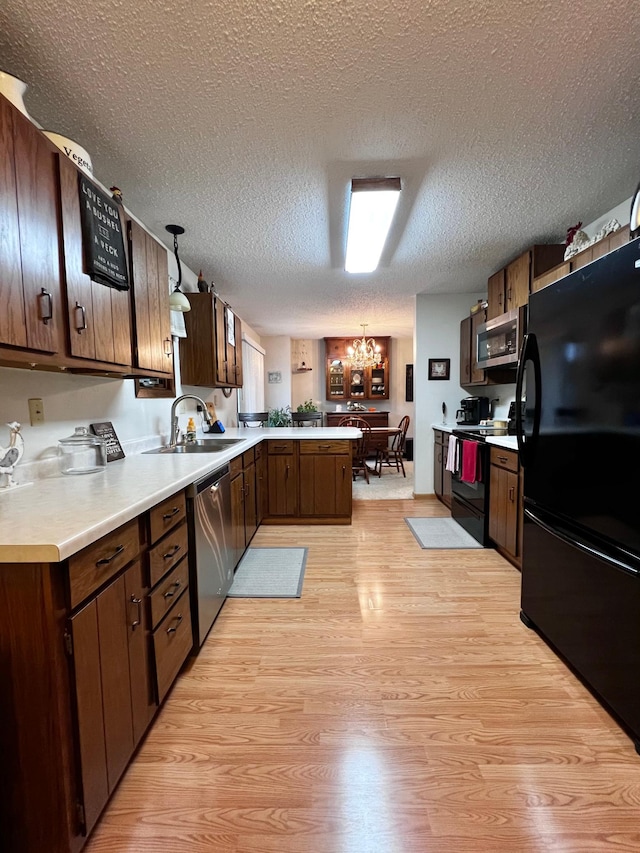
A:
(470, 501)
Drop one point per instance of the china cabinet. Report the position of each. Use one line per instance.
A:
(344, 382)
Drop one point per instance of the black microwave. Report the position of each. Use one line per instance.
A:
(499, 340)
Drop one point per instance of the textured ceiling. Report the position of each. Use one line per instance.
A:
(244, 121)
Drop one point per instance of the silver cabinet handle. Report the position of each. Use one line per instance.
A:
(83, 314)
(171, 553)
(46, 314)
(137, 602)
(106, 560)
(177, 619)
(170, 593)
(173, 512)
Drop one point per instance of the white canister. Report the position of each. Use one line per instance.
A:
(73, 151)
(13, 89)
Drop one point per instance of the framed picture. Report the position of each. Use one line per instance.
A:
(439, 368)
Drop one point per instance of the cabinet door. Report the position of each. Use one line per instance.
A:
(438, 467)
(261, 483)
(250, 503)
(478, 376)
(222, 373)
(465, 351)
(30, 283)
(234, 354)
(503, 509)
(99, 317)
(143, 704)
(102, 651)
(495, 295)
(149, 281)
(237, 517)
(517, 280)
(283, 486)
(325, 485)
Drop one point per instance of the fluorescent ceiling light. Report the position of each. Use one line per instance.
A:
(373, 203)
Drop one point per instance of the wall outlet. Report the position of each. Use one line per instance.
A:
(182, 408)
(216, 400)
(36, 411)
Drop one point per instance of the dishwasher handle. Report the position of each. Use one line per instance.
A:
(211, 481)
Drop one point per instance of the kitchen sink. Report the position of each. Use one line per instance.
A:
(201, 445)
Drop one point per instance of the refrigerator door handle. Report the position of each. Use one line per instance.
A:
(530, 353)
(582, 545)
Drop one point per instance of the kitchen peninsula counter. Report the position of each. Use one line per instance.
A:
(55, 517)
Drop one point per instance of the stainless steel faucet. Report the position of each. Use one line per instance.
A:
(173, 440)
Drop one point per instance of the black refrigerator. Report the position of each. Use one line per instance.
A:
(579, 442)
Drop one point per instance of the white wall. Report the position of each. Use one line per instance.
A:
(277, 359)
(437, 335)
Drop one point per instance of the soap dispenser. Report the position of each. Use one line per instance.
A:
(190, 436)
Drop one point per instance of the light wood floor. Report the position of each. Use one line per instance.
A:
(399, 706)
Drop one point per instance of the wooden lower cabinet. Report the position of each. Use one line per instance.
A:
(245, 500)
(441, 477)
(325, 478)
(112, 686)
(308, 479)
(92, 646)
(505, 503)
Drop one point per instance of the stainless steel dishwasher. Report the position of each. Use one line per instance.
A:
(210, 553)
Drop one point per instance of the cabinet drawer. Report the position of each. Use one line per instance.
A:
(248, 458)
(280, 447)
(235, 466)
(167, 553)
(169, 589)
(172, 642)
(93, 566)
(258, 450)
(166, 515)
(331, 447)
(504, 458)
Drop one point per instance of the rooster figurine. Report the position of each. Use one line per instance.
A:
(10, 456)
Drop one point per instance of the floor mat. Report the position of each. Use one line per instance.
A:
(270, 573)
(441, 533)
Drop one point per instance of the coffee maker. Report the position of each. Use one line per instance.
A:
(472, 410)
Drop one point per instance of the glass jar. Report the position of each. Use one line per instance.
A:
(82, 453)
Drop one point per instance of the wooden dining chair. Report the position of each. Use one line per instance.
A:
(253, 419)
(301, 419)
(393, 453)
(360, 445)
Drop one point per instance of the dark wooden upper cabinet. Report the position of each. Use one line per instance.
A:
(150, 285)
(99, 317)
(30, 281)
(206, 355)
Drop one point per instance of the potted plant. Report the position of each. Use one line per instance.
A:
(308, 406)
(280, 417)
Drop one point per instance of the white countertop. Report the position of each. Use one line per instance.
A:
(508, 441)
(53, 518)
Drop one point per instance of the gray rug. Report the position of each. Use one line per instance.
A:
(441, 533)
(270, 573)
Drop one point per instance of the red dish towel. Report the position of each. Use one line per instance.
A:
(470, 461)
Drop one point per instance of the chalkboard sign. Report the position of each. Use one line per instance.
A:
(105, 430)
(102, 239)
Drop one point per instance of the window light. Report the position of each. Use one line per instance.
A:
(373, 203)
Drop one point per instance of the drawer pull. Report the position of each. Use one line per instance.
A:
(83, 314)
(106, 560)
(46, 313)
(324, 447)
(137, 602)
(171, 592)
(171, 553)
(511, 494)
(173, 512)
(177, 619)
(502, 459)
(280, 447)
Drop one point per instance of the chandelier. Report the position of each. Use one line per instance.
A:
(364, 353)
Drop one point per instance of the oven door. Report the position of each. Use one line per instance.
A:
(470, 501)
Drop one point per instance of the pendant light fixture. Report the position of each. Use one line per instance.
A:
(177, 301)
(365, 352)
